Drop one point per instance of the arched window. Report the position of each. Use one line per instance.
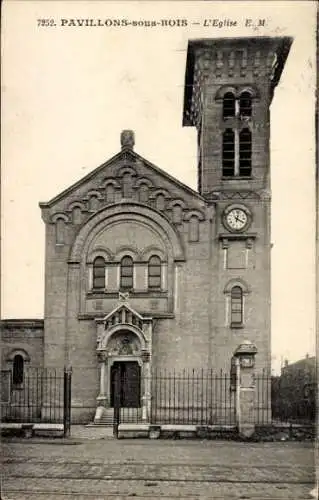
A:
(245, 104)
(93, 203)
(126, 278)
(177, 213)
(193, 229)
(110, 193)
(245, 152)
(143, 193)
(229, 106)
(154, 272)
(127, 185)
(18, 370)
(236, 297)
(160, 202)
(228, 153)
(76, 215)
(60, 231)
(99, 273)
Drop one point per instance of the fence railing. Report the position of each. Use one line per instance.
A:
(263, 411)
(44, 395)
(201, 397)
(192, 397)
(205, 397)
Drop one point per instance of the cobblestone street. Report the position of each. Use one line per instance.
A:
(102, 468)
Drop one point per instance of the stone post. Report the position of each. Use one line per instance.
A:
(101, 398)
(245, 388)
(146, 398)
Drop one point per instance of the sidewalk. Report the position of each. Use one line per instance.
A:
(90, 432)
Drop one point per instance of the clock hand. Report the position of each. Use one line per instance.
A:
(239, 219)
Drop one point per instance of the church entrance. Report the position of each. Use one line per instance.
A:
(126, 381)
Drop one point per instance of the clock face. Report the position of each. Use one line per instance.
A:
(236, 219)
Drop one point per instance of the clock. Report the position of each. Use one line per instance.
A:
(236, 218)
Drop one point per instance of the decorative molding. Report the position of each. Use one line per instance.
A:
(77, 204)
(21, 323)
(18, 352)
(158, 191)
(249, 243)
(143, 180)
(99, 252)
(145, 294)
(265, 194)
(60, 215)
(110, 180)
(237, 90)
(242, 195)
(152, 250)
(93, 192)
(225, 243)
(100, 315)
(109, 214)
(146, 356)
(126, 169)
(237, 236)
(130, 250)
(237, 282)
(176, 201)
(194, 213)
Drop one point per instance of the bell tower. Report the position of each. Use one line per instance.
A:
(229, 87)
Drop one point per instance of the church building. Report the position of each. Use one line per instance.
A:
(143, 273)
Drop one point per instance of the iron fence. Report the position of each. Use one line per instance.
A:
(206, 397)
(44, 395)
(192, 397)
(263, 411)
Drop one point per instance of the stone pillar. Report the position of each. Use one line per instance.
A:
(140, 277)
(101, 398)
(245, 388)
(113, 277)
(146, 398)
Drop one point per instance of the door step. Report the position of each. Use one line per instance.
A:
(127, 416)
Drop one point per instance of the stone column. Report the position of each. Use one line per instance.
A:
(140, 277)
(245, 388)
(146, 398)
(101, 398)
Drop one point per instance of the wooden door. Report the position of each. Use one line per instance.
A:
(126, 376)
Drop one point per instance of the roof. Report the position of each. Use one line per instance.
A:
(113, 159)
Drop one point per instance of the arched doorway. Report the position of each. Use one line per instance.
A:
(123, 380)
(124, 342)
(125, 383)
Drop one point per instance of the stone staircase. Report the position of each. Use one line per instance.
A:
(128, 416)
(106, 419)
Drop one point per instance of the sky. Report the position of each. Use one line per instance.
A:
(68, 91)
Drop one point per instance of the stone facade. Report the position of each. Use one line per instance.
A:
(22, 337)
(181, 309)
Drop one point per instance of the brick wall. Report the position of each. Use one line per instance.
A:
(25, 335)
